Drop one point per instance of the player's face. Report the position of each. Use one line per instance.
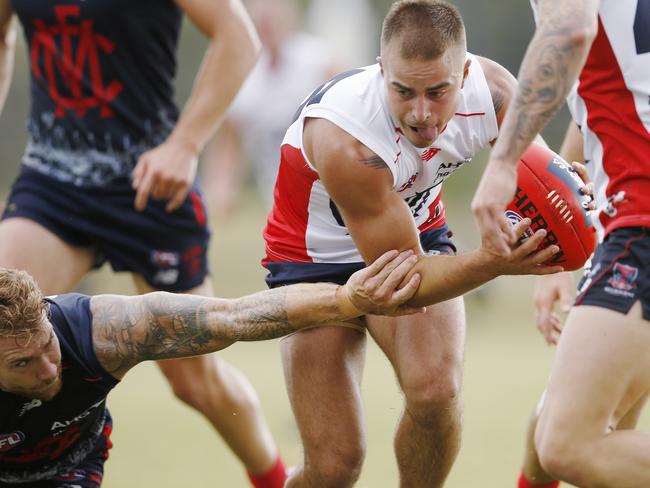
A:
(31, 369)
(423, 95)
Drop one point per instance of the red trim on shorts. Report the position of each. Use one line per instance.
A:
(199, 213)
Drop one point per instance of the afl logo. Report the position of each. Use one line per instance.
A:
(8, 441)
(514, 218)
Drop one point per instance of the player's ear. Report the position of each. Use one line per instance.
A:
(465, 71)
(381, 65)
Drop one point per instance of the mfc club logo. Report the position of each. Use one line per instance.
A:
(623, 277)
(73, 76)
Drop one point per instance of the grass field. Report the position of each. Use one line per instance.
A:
(161, 443)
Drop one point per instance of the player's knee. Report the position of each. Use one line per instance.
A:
(429, 396)
(335, 467)
(558, 456)
(191, 392)
(192, 381)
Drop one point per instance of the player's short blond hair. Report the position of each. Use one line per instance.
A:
(22, 307)
(425, 29)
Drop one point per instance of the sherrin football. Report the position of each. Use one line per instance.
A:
(548, 192)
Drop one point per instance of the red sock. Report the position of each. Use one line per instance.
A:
(273, 478)
(524, 483)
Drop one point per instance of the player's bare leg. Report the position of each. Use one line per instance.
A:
(218, 391)
(56, 266)
(323, 369)
(532, 469)
(601, 371)
(426, 351)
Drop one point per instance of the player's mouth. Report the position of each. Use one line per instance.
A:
(425, 133)
(49, 391)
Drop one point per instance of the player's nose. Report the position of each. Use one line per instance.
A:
(48, 371)
(421, 110)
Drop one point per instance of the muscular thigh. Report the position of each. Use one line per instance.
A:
(56, 265)
(423, 345)
(601, 370)
(323, 368)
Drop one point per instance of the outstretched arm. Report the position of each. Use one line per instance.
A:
(159, 325)
(551, 65)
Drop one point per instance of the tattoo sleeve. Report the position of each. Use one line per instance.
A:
(128, 330)
(549, 69)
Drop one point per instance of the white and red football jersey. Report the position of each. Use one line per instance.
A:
(305, 226)
(611, 104)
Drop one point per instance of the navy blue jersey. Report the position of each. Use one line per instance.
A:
(102, 84)
(41, 439)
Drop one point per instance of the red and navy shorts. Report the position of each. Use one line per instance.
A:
(619, 273)
(435, 241)
(167, 249)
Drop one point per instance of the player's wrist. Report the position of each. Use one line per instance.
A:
(344, 302)
(485, 263)
(189, 144)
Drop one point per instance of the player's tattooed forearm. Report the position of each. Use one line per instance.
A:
(544, 83)
(164, 325)
(375, 162)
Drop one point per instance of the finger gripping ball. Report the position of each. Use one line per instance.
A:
(548, 192)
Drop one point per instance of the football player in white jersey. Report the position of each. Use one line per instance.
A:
(598, 53)
(360, 173)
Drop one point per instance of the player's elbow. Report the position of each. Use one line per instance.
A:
(575, 35)
(581, 37)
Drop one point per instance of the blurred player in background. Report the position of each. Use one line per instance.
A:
(292, 63)
(60, 356)
(109, 168)
(350, 27)
(361, 172)
(596, 52)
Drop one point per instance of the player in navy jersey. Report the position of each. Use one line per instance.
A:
(60, 356)
(596, 52)
(109, 168)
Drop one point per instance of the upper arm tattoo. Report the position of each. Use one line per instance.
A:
(375, 162)
(128, 330)
(498, 99)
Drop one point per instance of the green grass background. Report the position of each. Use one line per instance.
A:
(161, 443)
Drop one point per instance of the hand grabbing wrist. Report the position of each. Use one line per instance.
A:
(344, 302)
